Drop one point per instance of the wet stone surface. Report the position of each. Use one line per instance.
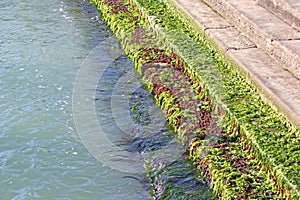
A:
(171, 179)
(178, 180)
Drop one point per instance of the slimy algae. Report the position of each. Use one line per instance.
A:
(237, 141)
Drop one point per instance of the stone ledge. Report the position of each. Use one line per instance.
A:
(288, 10)
(277, 85)
(263, 27)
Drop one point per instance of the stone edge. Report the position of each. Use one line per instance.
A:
(262, 82)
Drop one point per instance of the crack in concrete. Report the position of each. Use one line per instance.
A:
(284, 39)
(237, 48)
(217, 28)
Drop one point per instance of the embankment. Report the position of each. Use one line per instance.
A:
(237, 141)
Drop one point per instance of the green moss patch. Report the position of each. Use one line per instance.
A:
(238, 142)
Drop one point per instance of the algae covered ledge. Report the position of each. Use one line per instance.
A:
(238, 142)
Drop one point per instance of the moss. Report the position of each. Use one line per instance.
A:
(224, 116)
(240, 100)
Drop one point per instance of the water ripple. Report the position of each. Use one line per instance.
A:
(42, 45)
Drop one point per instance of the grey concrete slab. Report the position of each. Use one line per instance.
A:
(279, 87)
(229, 38)
(288, 10)
(286, 50)
(263, 27)
(204, 16)
(214, 25)
(266, 23)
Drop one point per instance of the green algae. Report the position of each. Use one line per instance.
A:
(175, 181)
(239, 99)
(245, 116)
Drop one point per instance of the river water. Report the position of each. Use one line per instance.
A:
(75, 120)
(43, 44)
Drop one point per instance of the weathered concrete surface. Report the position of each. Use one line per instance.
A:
(265, 47)
(263, 27)
(288, 10)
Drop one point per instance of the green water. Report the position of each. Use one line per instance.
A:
(43, 44)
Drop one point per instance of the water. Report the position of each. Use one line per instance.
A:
(75, 120)
(43, 44)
